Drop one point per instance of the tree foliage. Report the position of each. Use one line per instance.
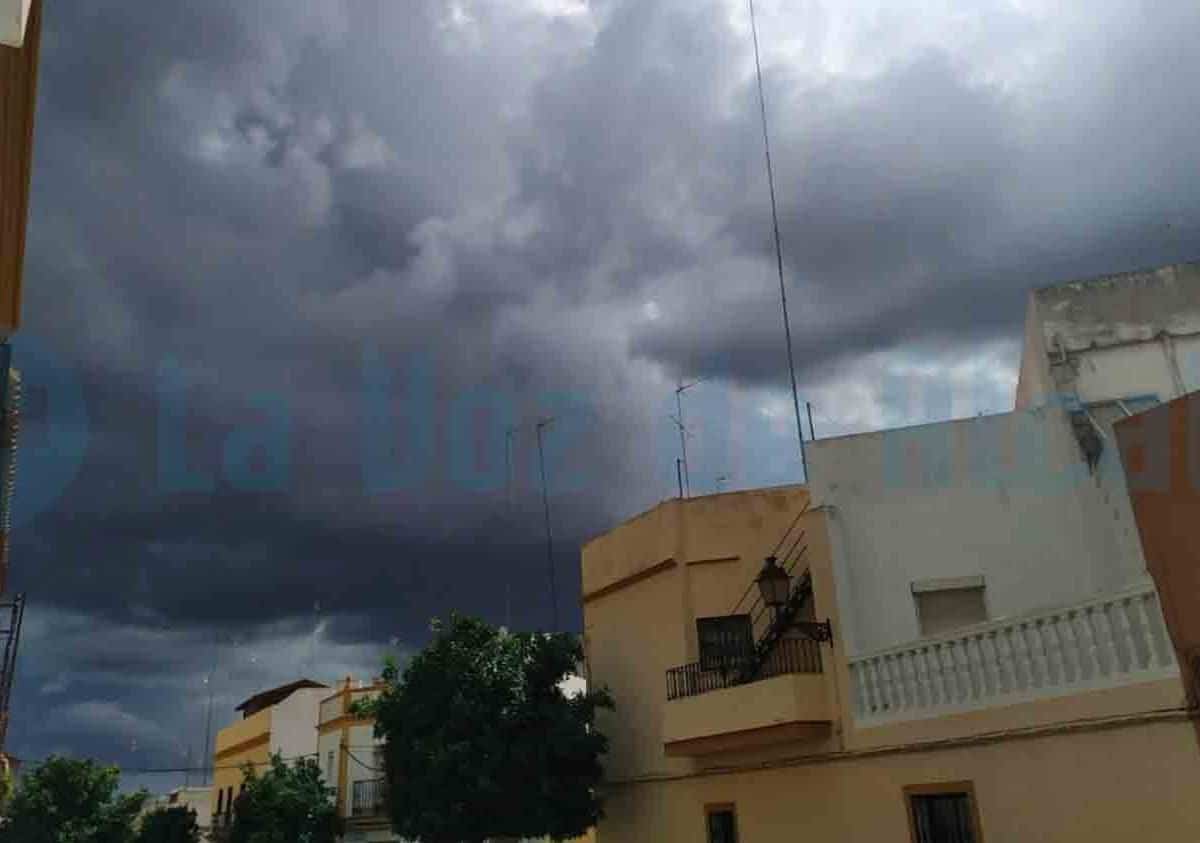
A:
(175, 824)
(286, 804)
(479, 740)
(64, 800)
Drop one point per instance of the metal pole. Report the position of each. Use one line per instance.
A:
(787, 325)
(812, 434)
(508, 483)
(682, 439)
(208, 748)
(549, 534)
(679, 476)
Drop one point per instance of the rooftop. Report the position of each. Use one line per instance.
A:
(273, 696)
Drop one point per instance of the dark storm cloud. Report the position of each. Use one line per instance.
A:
(922, 202)
(550, 208)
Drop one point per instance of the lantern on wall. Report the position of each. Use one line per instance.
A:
(774, 584)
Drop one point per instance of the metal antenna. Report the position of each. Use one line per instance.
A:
(508, 484)
(678, 419)
(541, 425)
(208, 748)
(787, 325)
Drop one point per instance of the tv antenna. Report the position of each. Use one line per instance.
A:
(686, 485)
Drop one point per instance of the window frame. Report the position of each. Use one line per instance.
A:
(711, 808)
(966, 788)
(941, 586)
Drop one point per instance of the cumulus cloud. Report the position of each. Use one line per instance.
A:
(542, 208)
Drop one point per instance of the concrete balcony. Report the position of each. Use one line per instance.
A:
(1109, 641)
(712, 711)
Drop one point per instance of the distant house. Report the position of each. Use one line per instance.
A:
(276, 721)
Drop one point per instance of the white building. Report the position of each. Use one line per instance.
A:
(997, 539)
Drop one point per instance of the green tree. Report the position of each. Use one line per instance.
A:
(286, 804)
(480, 741)
(64, 800)
(176, 824)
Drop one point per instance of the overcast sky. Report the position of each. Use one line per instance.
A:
(294, 267)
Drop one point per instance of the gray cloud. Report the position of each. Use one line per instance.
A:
(539, 200)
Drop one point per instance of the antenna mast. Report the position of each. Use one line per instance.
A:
(541, 425)
(686, 484)
(787, 325)
(508, 483)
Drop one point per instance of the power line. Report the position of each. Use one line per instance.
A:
(787, 325)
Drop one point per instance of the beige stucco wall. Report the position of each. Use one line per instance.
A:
(1131, 783)
(647, 581)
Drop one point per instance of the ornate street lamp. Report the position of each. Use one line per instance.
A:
(774, 584)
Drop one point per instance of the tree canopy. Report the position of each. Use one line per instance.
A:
(286, 804)
(175, 824)
(480, 741)
(64, 800)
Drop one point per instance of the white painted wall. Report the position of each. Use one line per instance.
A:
(1102, 374)
(1005, 497)
(361, 763)
(326, 744)
(294, 723)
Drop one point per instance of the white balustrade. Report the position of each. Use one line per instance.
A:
(1116, 639)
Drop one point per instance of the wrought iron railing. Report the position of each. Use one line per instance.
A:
(367, 798)
(800, 654)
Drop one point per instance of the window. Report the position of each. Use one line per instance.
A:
(725, 641)
(949, 604)
(329, 766)
(943, 813)
(722, 824)
(220, 800)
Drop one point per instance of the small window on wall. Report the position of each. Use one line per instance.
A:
(949, 604)
(722, 823)
(943, 813)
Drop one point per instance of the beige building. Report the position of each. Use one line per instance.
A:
(995, 663)
(352, 763)
(279, 721)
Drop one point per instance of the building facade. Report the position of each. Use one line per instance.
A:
(279, 721)
(969, 645)
(20, 47)
(352, 762)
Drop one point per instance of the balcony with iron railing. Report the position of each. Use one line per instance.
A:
(798, 653)
(759, 678)
(368, 799)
